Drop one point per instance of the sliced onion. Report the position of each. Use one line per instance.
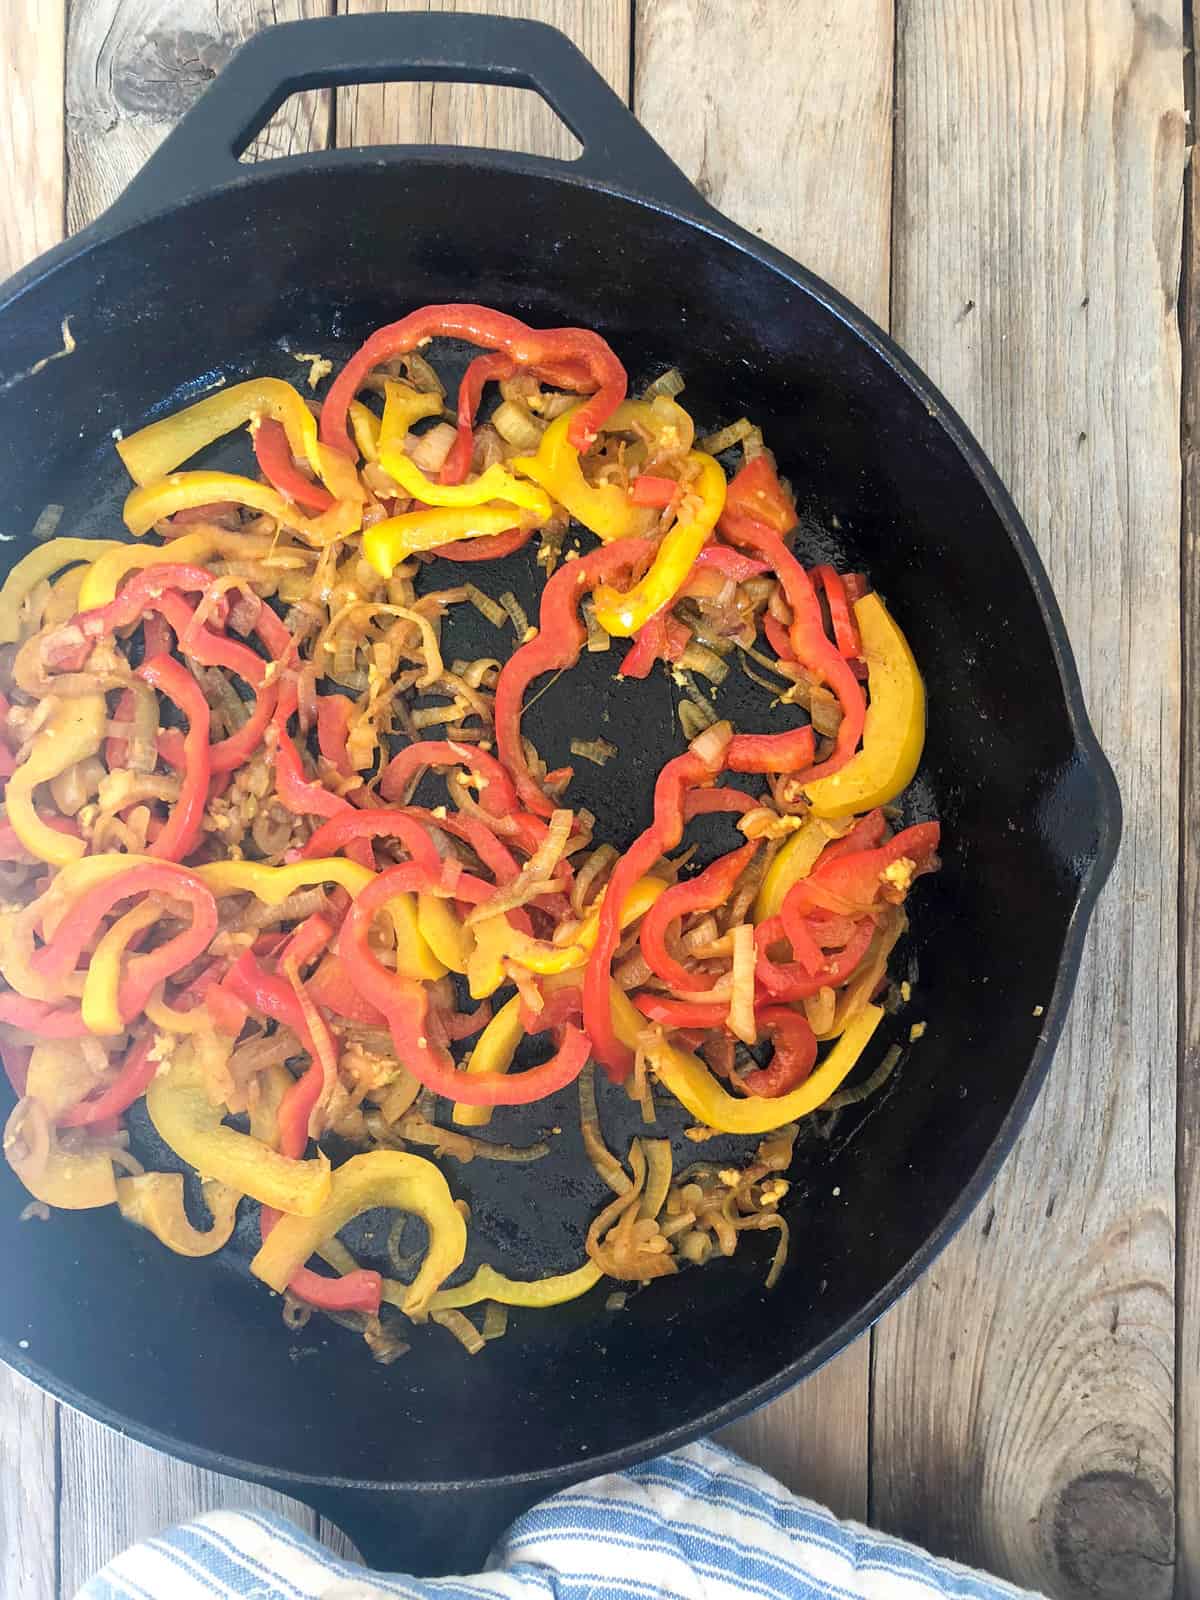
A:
(710, 745)
(741, 1004)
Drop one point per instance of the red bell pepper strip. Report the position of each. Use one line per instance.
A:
(183, 828)
(755, 494)
(297, 793)
(564, 1005)
(703, 802)
(851, 885)
(228, 1013)
(305, 943)
(557, 645)
(497, 796)
(143, 973)
(464, 1024)
(664, 833)
(674, 1013)
(496, 364)
(778, 637)
(274, 456)
(571, 358)
(491, 850)
(36, 1016)
(730, 563)
(153, 589)
(129, 1084)
(318, 1082)
(488, 547)
(771, 752)
(705, 892)
(845, 629)
(756, 512)
(333, 724)
(351, 825)
(405, 1003)
(866, 834)
(331, 988)
(795, 1053)
(663, 638)
(791, 980)
(647, 490)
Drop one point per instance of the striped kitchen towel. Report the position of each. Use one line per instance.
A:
(698, 1525)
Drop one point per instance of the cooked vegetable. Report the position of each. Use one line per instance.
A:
(276, 850)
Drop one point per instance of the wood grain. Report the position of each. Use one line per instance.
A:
(135, 66)
(1187, 1283)
(1029, 1376)
(31, 128)
(115, 1492)
(471, 114)
(28, 1490)
(31, 220)
(780, 111)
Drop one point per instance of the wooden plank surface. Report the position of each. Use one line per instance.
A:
(1187, 1359)
(1023, 1392)
(472, 114)
(28, 1490)
(31, 128)
(135, 66)
(1029, 1375)
(786, 126)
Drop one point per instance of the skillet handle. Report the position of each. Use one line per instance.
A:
(327, 52)
(437, 1534)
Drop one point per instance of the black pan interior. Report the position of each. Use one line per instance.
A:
(193, 1354)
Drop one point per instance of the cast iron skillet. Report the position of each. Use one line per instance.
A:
(236, 267)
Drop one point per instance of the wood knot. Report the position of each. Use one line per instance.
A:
(161, 75)
(1114, 1536)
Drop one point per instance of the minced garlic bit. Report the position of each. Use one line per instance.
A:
(1038, 1010)
(906, 991)
(319, 367)
(917, 1031)
(900, 873)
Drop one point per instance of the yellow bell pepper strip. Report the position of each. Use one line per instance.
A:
(623, 614)
(101, 988)
(73, 732)
(180, 491)
(388, 543)
(894, 729)
(604, 508)
(59, 1076)
(103, 577)
(497, 483)
(365, 426)
(795, 860)
(496, 940)
(154, 1201)
(669, 426)
(56, 1177)
(190, 1125)
(445, 935)
(152, 452)
(494, 1051)
(37, 566)
(488, 1284)
(273, 885)
(402, 406)
(690, 1081)
(391, 1178)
